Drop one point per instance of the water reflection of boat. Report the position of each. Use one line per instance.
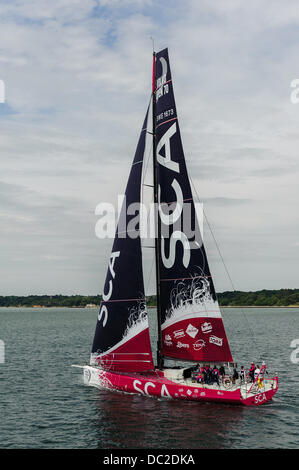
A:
(134, 423)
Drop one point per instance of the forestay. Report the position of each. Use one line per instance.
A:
(121, 341)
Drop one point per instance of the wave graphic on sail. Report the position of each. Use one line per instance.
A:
(191, 299)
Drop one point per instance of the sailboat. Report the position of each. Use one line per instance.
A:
(189, 321)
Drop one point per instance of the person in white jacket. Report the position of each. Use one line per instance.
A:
(257, 372)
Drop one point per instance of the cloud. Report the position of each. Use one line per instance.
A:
(78, 81)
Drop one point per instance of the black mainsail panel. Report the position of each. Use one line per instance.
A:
(122, 341)
(191, 322)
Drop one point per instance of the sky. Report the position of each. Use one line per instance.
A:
(77, 78)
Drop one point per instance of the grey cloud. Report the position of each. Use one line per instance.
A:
(79, 90)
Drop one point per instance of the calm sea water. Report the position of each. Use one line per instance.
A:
(44, 404)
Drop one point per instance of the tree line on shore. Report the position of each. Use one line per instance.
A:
(266, 298)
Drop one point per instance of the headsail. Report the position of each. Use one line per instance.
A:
(191, 322)
(122, 341)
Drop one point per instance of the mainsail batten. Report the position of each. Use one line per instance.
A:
(122, 341)
(191, 322)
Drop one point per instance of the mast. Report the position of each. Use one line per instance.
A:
(160, 361)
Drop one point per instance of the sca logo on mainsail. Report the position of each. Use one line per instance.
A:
(168, 220)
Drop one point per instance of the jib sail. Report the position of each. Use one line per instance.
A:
(121, 341)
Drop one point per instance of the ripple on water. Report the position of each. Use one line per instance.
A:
(44, 403)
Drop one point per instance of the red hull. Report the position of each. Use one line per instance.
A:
(155, 384)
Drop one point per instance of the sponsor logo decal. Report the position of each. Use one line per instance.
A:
(199, 344)
(182, 345)
(215, 340)
(179, 334)
(167, 340)
(191, 330)
(206, 327)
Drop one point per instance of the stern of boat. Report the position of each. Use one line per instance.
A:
(259, 392)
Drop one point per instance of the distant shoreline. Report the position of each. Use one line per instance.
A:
(148, 306)
(259, 306)
(281, 298)
(248, 306)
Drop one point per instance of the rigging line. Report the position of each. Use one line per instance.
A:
(153, 41)
(124, 300)
(145, 167)
(148, 148)
(122, 360)
(184, 278)
(158, 88)
(149, 278)
(232, 284)
(148, 151)
(144, 174)
(124, 354)
(165, 122)
(226, 269)
(153, 259)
